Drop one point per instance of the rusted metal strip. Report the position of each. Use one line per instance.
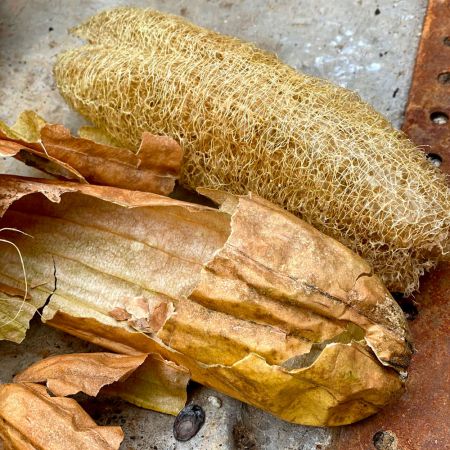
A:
(419, 421)
(427, 119)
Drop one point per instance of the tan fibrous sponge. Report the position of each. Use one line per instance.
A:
(248, 122)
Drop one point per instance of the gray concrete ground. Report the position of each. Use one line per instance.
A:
(365, 45)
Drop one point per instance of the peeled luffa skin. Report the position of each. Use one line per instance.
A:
(252, 300)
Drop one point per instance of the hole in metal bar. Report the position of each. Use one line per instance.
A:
(444, 78)
(434, 159)
(439, 118)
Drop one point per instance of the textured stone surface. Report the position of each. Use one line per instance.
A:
(365, 45)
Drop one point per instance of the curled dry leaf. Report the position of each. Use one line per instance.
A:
(80, 372)
(252, 300)
(157, 384)
(148, 381)
(52, 148)
(31, 419)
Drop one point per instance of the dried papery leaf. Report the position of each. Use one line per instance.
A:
(23, 141)
(144, 314)
(16, 313)
(31, 419)
(14, 292)
(17, 306)
(27, 128)
(120, 314)
(80, 372)
(145, 380)
(253, 301)
(97, 135)
(52, 148)
(36, 158)
(112, 166)
(157, 384)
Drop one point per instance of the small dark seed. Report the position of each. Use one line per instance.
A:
(188, 422)
(385, 440)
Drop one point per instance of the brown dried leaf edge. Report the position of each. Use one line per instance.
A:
(51, 148)
(29, 416)
(31, 419)
(148, 381)
(252, 300)
(80, 372)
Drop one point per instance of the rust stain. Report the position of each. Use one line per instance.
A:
(419, 420)
(427, 119)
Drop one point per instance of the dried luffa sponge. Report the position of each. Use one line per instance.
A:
(248, 122)
(255, 302)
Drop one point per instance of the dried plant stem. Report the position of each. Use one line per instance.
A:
(5, 241)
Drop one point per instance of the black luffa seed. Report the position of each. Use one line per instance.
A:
(188, 422)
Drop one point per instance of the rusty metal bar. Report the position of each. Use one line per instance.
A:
(419, 421)
(427, 118)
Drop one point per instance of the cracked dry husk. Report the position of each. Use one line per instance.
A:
(248, 122)
(252, 300)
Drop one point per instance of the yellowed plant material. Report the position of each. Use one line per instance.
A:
(17, 305)
(14, 292)
(80, 372)
(157, 384)
(248, 122)
(154, 168)
(31, 419)
(148, 381)
(252, 300)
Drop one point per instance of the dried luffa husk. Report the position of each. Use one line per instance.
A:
(248, 122)
(252, 300)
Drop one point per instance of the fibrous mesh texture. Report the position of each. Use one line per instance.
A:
(248, 122)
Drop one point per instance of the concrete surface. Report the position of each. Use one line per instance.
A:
(366, 45)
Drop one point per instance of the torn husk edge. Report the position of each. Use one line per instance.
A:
(51, 148)
(269, 263)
